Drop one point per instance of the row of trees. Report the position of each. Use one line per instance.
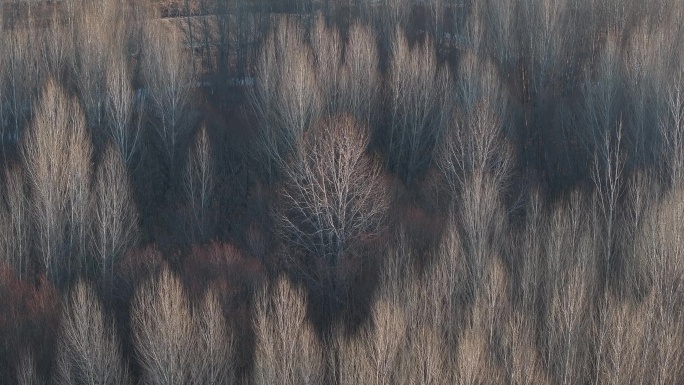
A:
(61, 213)
(439, 192)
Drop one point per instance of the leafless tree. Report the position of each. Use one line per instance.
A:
(571, 269)
(224, 11)
(3, 102)
(55, 47)
(114, 227)
(646, 59)
(431, 321)
(287, 349)
(286, 97)
(360, 75)
(523, 361)
(661, 237)
(475, 355)
(476, 161)
(169, 80)
(502, 32)
(24, 76)
(263, 102)
(373, 355)
(56, 156)
(298, 97)
(79, 202)
(672, 130)
(327, 50)
(163, 331)
(97, 33)
(27, 373)
(532, 253)
(213, 361)
(335, 198)
(16, 217)
(605, 124)
(389, 15)
(436, 10)
(626, 334)
(199, 186)
(419, 107)
(88, 348)
(123, 128)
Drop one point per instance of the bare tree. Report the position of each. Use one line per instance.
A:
(523, 361)
(360, 75)
(169, 80)
(16, 217)
(263, 103)
(24, 76)
(672, 130)
(163, 331)
(88, 348)
(548, 40)
(503, 30)
(605, 125)
(532, 253)
(79, 202)
(373, 356)
(56, 155)
(286, 97)
(213, 361)
(626, 335)
(287, 349)
(475, 355)
(3, 102)
(335, 198)
(436, 10)
(97, 34)
(298, 95)
(327, 50)
(26, 371)
(224, 11)
(661, 238)
(475, 161)
(199, 186)
(571, 269)
(120, 109)
(419, 107)
(114, 227)
(55, 47)
(388, 15)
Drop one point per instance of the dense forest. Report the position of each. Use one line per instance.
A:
(341, 192)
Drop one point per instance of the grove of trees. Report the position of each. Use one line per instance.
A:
(341, 192)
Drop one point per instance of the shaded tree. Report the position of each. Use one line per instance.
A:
(163, 330)
(115, 226)
(56, 154)
(15, 214)
(333, 200)
(89, 351)
(199, 187)
(476, 163)
(121, 106)
(214, 358)
(360, 79)
(287, 350)
(418, 107)
(169, 80)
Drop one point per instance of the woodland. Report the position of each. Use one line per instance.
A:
(344, 192)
